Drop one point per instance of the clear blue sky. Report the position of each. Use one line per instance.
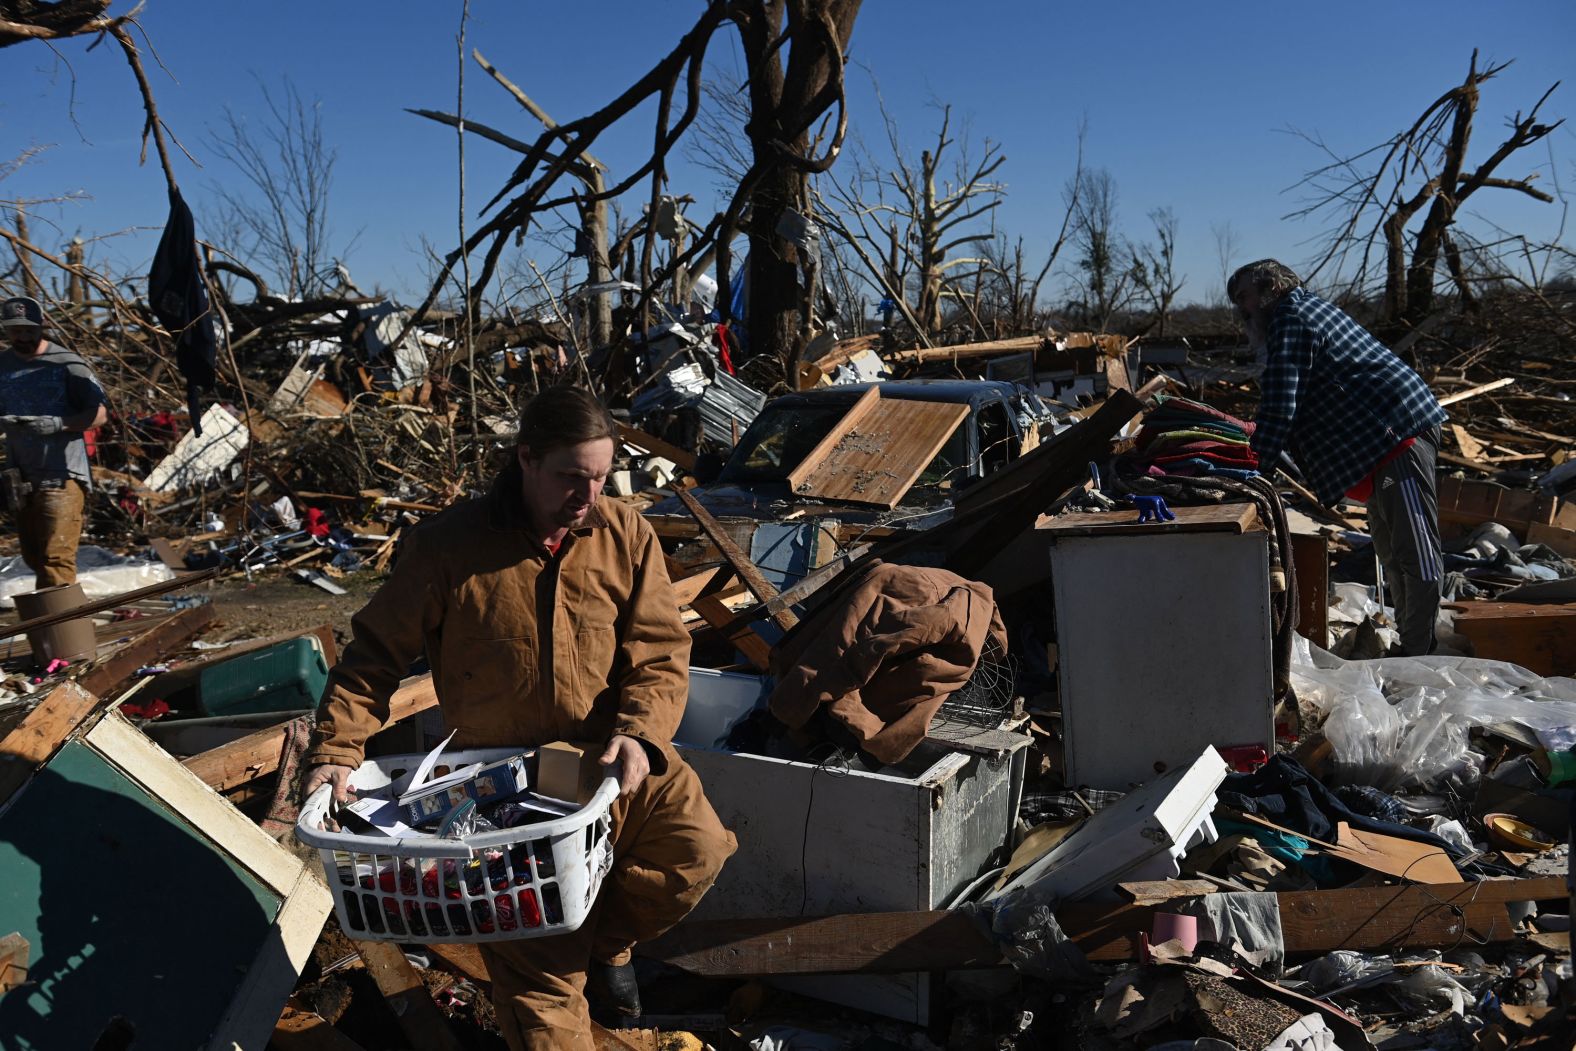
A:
(1187, 104)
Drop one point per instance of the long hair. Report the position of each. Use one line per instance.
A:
(560, 416)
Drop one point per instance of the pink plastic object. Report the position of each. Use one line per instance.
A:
(1171, 927)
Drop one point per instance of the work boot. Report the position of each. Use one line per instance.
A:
(612, 987)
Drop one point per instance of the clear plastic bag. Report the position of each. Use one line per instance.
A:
(1403, 722)
(1343, 969)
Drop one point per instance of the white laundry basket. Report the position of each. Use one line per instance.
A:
(525, 882)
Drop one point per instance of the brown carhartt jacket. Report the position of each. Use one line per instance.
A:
(526, 647)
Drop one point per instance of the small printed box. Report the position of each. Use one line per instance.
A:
(491, 784)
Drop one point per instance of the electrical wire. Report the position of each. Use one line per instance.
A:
(835, 764)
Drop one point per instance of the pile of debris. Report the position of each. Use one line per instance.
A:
(1009, 763)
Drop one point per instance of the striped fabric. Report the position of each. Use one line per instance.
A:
(1417, 519)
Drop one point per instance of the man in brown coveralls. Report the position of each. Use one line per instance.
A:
(547, 616)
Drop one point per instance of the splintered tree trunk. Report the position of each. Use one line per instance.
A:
(597, 265)
(774, 293)
(786, 99)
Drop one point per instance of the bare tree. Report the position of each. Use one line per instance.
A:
(921, 217)
(1423, 167)
(1154, 268)
(287, 169)
(1103, 257)
(1227, 247)
(793, 51)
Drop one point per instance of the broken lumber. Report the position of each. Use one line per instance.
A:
(1318, 509)
(965, 351)
(1366, 918)
(308, 1031)
(15, 955)
(106, 676)
(255, 755)
(407, 997)
(990, 514)
(735, 630)
(35, 740)
(87, 609)
(1451, 399)
(652, 444)
(760, 587)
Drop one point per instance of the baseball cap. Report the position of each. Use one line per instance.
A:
(20, 311)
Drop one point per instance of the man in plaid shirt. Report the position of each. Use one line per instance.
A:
(1360, 424)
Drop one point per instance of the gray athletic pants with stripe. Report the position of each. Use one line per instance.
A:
(1403, 517)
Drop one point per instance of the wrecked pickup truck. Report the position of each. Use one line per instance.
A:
(753, 482)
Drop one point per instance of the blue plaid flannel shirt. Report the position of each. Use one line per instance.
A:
(1334, 396)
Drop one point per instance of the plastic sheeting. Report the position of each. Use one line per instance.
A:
(1023, 924)
(101, 573)
(1247, 922)
(1401, 722)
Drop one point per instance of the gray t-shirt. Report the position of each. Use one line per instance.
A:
(56, 383)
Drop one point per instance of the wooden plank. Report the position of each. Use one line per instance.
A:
(308, 1031)
(807, 587)
(967, 351)
(1540, 637)
(256, 755)
(689, 588)
(401, 986)
(1561, 540)
(878, 461)
(735, 630)
(15, 954)
(1029, 470)
(856, 414)
(35, 740)
(1211, 518)
(981, 531)
(652, 444)
(255, 1007)
(760, 587)
(462, 958)
(1470, 447)
(1435, 916)
(87, 609)
(106, 676)
(1310, 555)
(1156, 892)
(1315, 508)
(1451, 399)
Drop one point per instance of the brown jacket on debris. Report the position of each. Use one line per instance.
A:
(885, 657)
(467, 589)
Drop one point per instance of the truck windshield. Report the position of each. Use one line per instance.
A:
(778, 439)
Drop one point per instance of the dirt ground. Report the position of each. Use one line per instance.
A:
(272, 605)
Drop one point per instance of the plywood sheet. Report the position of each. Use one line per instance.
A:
(881, 457)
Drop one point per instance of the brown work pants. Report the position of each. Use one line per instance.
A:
(668, 846)
(49, 527)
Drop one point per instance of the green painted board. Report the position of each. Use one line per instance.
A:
(130, 911)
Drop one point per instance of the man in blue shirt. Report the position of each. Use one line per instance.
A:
(1360, 424)
(48, 397)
